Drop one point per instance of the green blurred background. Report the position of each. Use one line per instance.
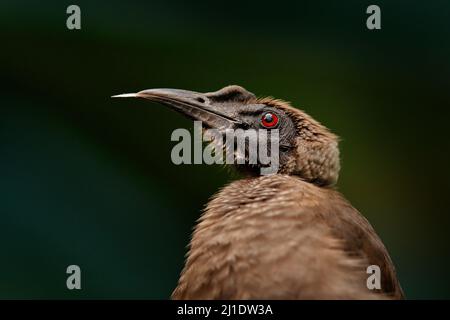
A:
(88, 180)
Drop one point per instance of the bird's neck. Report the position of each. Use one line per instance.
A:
(248, 222)
(247, 207)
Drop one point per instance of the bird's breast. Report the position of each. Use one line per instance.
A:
(249, 223)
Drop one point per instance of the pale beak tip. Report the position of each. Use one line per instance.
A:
(125, 95)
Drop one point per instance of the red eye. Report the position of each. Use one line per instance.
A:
(269, 120)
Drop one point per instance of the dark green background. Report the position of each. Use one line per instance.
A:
(88, 180)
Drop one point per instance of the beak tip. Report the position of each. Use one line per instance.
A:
(125, 95)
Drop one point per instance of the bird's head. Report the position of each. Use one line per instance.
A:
(306, 148)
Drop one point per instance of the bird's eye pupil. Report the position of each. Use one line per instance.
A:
(269, 120)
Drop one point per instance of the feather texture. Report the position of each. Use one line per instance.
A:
(279, 237)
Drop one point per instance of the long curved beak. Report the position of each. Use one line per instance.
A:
(194, 105)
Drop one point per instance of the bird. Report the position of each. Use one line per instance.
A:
(290, 235)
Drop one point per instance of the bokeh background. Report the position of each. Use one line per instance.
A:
(88, 180)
